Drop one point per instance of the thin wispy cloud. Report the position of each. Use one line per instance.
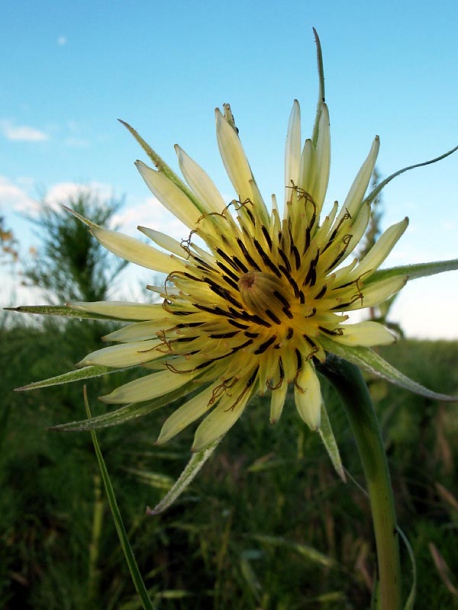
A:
(22, 133)
(13, 197)
(63, 192)
(62, 40)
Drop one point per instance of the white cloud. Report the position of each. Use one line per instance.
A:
(62, 40)
(22, 133)
(14, 197)
(61, 191)
(14, 194)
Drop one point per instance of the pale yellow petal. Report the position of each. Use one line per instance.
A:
(361, 182)
(141, 331)
(358, 228)
(186, 414)
(164, 241)
(322, 159)
(378, 253)
(293, 149)
(277, 402)
(366, 334)
(307, 396)
(306, 175)
(376, 293)
(202, 185)
(147, 388)
(222, 417)
(170, 196)
(127, 354)
(233, 156)
(135, 251)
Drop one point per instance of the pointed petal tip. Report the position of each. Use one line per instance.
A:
(196, 448)
(200, 446)
(84, 220)
(375, 146)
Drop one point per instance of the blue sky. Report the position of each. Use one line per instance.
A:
(70, 69)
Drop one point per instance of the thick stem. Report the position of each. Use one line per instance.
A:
(352, 389)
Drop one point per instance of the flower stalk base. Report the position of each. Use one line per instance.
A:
(352, 390)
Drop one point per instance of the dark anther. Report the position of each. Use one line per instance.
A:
(273, 317)
(262, 348)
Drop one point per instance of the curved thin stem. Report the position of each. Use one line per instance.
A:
(352, 390)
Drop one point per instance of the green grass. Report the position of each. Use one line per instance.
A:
(266, 525)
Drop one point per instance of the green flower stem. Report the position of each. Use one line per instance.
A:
(352, 389)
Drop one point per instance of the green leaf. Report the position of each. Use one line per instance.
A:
(86, 372)
(121, 530)
(329, 440)
(411, 599)
(413, 271)
(367, 359)
(60, 310)
(124, 414)
(186, 477)
(306, 551)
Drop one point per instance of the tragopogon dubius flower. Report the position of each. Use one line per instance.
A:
(248, 314)
(257, 308)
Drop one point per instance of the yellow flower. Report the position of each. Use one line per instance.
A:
(254, 310)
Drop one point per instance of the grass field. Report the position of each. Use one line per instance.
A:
(266, 525)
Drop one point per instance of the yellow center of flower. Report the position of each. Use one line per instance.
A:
(264, 295)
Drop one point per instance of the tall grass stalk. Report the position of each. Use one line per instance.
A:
(94, 547)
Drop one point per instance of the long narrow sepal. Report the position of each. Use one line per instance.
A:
(321, 91)
(330, 443)
(370, 361)
(160, 163)
(373, 194)
(413, 272)
(88, 372)
(186, 477)
(59, 310)
(123, 414)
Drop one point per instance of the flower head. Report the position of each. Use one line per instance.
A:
(262, 303)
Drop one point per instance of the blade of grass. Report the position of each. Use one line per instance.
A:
(123, 539)
(413, 590)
